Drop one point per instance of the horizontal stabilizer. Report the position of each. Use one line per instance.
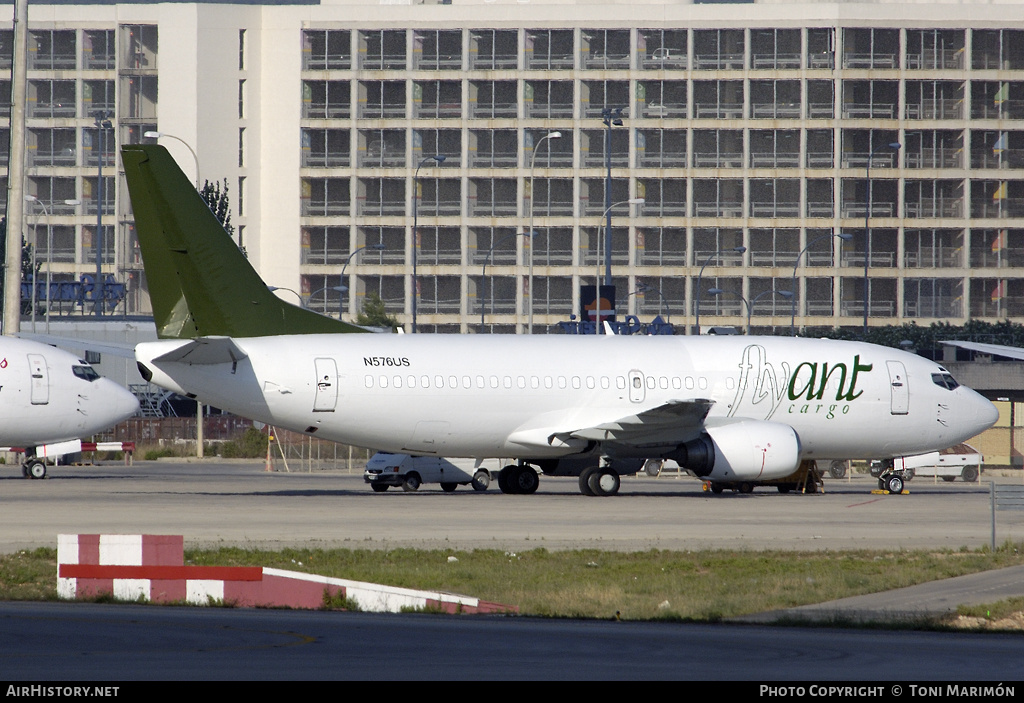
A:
(205, 350)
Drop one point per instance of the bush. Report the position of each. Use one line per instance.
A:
(251, 445)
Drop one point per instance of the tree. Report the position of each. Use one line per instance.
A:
(218, 203)
(374, 313)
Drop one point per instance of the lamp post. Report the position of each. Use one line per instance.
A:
(272, 289)
(738, 250)
(102, 124)
(750, 304)
(483, 270)
(415, 231)
(867, 219)
(842, 236)
(642, 287)
(35, 246)
(533, 160)
(157, 135)
(608, 259)
(612, 117)
(379, 247)
(309, 300)
(74, 202)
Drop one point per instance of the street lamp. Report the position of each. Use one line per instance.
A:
(750, 304)
(642, 288)
(483, 270)
(867, 218)
(738, 250)
(415, 231)
(102, 124)
(608, 259)
(35, 247)
(272, 289)
(845, 237)
(611, 116)
(157, 135)
(341, 307)
(533, 159)
(339, 289)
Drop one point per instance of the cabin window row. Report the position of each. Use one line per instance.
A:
(532, 382)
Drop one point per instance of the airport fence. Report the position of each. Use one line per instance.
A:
(290, 451)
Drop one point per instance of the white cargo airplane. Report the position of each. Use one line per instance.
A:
(50, 399)
(730, 409)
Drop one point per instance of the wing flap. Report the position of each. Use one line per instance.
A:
(674, 421)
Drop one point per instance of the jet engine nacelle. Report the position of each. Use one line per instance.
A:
(749, 450)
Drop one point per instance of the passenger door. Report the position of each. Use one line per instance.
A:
(899, 390)
(40, 392)
(326, 398)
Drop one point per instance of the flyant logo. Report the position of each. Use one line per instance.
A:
(762, 386)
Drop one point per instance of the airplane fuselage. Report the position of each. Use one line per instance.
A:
(509, 396)
(48, 395)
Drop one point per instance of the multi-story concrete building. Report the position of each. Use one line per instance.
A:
(770, 127)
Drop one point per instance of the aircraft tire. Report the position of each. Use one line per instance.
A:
(481, 480)
(745, 487)
(717, 488)
(36, 469)
(504, 485)
(604, 482)
(525, 480)
(412, 482)
(449, 487)
(585, 475)
(895, 484)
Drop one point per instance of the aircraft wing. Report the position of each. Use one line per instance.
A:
(676, 421)
(205, 350)
(125, 351)
(994, 349)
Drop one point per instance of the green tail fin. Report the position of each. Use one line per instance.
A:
(199, 282)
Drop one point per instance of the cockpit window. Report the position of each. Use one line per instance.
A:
(87, 373)
(945, 380)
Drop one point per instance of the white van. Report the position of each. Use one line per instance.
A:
(384, 470)
(963, 461)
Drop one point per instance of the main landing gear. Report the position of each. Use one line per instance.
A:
(599, 481)
(518, 479)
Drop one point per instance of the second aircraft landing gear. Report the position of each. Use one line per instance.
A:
(34, 468)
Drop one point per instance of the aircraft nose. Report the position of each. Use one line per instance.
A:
(987, 412)
(983, 411)
(122, 402)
